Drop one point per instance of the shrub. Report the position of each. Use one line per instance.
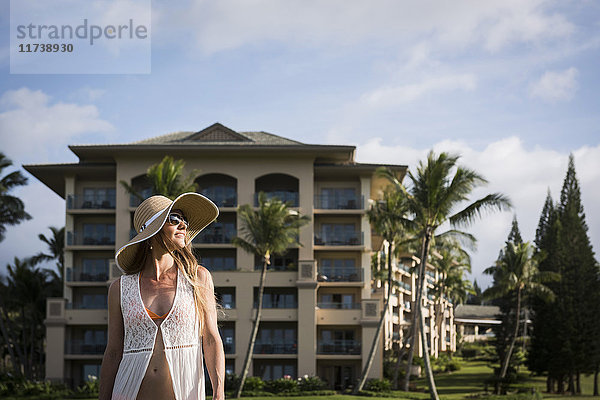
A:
(310, 384)
(282, 385)
(378, 385)
(87, 389)
(232, 381)
(253, 384)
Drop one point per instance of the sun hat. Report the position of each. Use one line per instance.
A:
(151, 215)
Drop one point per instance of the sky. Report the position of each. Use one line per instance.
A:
(509, 85)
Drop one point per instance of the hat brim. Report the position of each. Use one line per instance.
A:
(198, 210)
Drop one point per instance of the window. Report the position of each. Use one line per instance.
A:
(337, 234)
(339, 270)
(227, 332)
(102, 234)
(338, 301)
(277, 298)
(93, 269)
(339, 198)
(226, 297)
(285, 262)
(271, 370)
(219, 263)
(96, 198)
(276, 339)
(90, 372)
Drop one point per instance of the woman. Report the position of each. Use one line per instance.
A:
(162, 311)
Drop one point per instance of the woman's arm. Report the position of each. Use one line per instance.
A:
(212, 345)
(114, 347)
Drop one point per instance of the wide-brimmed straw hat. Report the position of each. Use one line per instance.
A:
(151, 215)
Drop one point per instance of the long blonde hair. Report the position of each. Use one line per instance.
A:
(187, 263)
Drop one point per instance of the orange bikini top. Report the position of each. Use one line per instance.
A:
(151, 313)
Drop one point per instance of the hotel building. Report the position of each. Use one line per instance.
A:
(321, 306)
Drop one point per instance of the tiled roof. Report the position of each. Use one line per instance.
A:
(218, 134)
(476, 312)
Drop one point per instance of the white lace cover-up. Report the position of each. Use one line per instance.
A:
(181, 340)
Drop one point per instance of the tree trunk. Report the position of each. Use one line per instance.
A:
(428, 370)
(506, 361)
(549, 384)
(401, 352)
(578, 381)
(416, 310)
(561, 385)
(250, 349)
(369, 362)
(572, 384)
(596, 379)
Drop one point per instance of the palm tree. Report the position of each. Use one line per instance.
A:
(516, 271)
(388, 218)
(271, 229)
(452, 284)
(12, 209)
(55, 246)
(166, 178)
(438, 187)
(23, 307)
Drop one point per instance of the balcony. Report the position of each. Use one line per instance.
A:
(91, 202)
(78, 346)
(339, 202)
(339, 306)
(405, 286)
(339, 239)
(83, 275)
(291, 198)
(339, 347)
(340, 274)
(98, 303)
(217, 233)
(78, 238)
(222, 196)
(276, 348)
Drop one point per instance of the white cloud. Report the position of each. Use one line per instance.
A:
(555, 86)
(33, 125)
(523, 174)
(493, 24)
(391, 96)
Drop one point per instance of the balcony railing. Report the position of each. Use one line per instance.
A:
(333, 274)
(215, 235)
(88, 305)
(221, 199)
(79, 275)
(292, 198)
(76, 346)
(91, 202)
(339, 306)
(342, 202)
(275, 348)
(339, 347)
(339, 239)
(79, 238)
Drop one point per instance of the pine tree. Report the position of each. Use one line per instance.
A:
(514, 235)
(565, 342)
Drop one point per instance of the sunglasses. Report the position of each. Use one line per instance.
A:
(176, 219)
